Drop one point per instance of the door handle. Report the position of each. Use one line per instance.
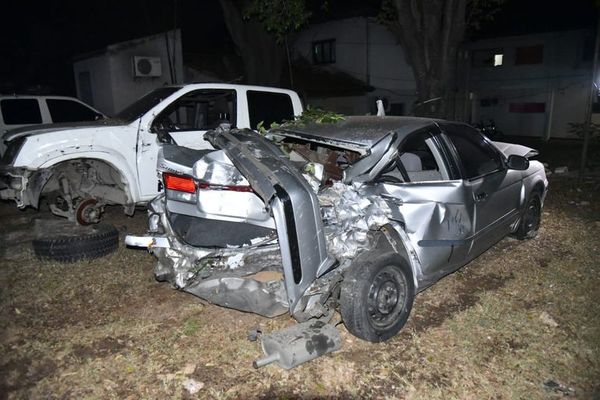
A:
(480, 196)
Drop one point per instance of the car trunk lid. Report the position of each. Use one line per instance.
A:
(294, 205)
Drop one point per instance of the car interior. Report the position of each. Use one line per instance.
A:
(198, 111)
(418, 161)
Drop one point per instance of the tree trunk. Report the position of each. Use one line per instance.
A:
(263, 58)
(430, 32)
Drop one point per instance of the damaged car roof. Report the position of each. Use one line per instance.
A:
(356, 132)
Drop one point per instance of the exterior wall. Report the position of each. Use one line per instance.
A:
(561, 82)
(98, 70)
(367, 51)
(113, 84)
(193, 75)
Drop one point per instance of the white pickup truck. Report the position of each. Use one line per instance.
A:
(81, 167)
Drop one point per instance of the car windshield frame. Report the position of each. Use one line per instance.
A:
(145, 103)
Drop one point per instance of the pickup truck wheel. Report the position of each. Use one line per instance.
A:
(530, 221)
(65, 242)
(377, 297)
(88, 212)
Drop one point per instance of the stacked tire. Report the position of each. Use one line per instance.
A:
(70, 243)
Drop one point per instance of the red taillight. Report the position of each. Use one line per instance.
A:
(208, 186)
(179, 183)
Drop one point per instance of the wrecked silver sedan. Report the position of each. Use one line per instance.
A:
(356, 216)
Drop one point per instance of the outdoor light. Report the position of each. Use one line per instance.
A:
(498, 59)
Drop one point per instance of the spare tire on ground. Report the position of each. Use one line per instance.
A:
(64, 241)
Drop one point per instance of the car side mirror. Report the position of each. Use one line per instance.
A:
(518, 163)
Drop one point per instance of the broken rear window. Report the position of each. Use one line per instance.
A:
(334, 160)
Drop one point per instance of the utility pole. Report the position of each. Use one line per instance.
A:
(588, 112)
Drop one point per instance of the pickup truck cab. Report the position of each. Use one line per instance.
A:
(81, 167)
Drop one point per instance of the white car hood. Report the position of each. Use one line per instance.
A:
(509, 149)
(67, 126)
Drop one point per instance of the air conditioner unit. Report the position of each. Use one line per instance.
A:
(146, 66)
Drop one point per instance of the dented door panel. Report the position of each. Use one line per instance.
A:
(440, 230)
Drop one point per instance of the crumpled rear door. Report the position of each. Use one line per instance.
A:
(294, 205)
(439, 220)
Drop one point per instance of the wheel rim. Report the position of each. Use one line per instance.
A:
(87, 212)
(387, 297)
(532, 217)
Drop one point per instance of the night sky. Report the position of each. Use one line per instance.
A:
(38, 40)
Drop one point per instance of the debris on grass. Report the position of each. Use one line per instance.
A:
(548, 320)
(193, 386)
(553, 386)
(189, 369)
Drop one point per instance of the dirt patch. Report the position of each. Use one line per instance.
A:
(212, 376)
(22, 373)
(101, 348)
(467, 295)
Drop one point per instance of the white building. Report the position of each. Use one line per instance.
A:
(365, 50)
(113, 77)
(531, 85)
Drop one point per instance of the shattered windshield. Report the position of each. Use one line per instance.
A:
(145, 103)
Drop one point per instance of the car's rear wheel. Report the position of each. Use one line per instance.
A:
(377, 297)
(531, 219)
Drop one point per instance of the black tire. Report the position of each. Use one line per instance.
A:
(531, 219)
(73, 243)
(369, 313)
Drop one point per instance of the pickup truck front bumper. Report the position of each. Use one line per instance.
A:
(22, 185)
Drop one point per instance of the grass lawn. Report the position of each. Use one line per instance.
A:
(521, 321)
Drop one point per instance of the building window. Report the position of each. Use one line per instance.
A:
(529, 55)
(487, 58)
(324, 51)
(528, 108)
(498, 59)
